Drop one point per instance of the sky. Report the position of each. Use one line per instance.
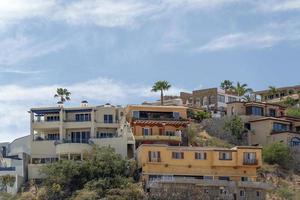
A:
(114, 50)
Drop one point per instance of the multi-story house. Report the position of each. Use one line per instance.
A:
(14, 158)
(213, 171)
(283, 92)
(267, 123)
(213, 99)
(68, 132)
(158, 124)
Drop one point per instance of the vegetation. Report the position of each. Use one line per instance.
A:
(102, 175)
(285, 193)
(63, 94)
(241, 89)
(161, 86)
(293, 112)
(273, 90)
(227, 85)
(198, 115)
(277, 153)
(7, 180)
(236, 127)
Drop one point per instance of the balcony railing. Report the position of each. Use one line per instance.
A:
(154, 160)
(250, 162)
(158, 137)
(160, 119)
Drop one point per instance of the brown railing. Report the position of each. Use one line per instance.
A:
(250, 162)
(155, 160)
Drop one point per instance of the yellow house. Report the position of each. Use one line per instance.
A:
(157, 124)
(210, 172)
(236, 164)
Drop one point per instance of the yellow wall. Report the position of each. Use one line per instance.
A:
(189, 166)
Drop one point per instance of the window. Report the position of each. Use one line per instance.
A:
(224, 178)
(104, 135)
(176, 115)
(250, 158)
(170, 133)
(221, 98)
(272, 112)
(295, 141)
(80, 137)
(279, 127)
(298, 129)
(136, 114)
(200, 155)
(232, 99)
(108, 119)
(53, 136)
(52, 118)
(147, 131)
(154, 156)
(208, 177)
(206, 191)
(244, 179)
(82, 117)
(258, 194)
(253, 110)
(242, 193)
(225, 156)
(177, 155)
(223, 191)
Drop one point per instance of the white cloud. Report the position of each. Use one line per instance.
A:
(11, 11)
(278, 5)
(16, 100)
(240, 40)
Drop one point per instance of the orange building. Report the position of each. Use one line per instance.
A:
(158, 124)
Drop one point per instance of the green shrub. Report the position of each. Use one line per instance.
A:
(285, 193)
(293, 112)
(277, 153)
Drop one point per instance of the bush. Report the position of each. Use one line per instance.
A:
(293, 112)
(277, 153)
(285, 193)
(236, 127)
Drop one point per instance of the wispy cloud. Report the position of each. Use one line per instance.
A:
(16, 100)
(240, 40)
(20, 48)
(278, 5)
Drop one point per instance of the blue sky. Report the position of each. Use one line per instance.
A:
(113, 50)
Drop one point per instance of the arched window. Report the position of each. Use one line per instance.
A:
(295, 141)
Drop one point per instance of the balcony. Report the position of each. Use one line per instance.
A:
(250, 162)
(69, 147)
(158, 138)
(255, 185)
(44, 124)
(154, 160)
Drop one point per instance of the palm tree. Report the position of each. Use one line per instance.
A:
(161, 86)
(227, 85)
(273, 90)
(63, 94)
(247, 98)
(241, 89)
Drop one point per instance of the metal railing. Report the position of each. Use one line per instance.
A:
(250, 162)
(7, 168)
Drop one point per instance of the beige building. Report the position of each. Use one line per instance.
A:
(66, 133)
(212, 99)
(267, 123)
(283, 93)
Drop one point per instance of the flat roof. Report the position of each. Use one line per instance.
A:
(271, 119)
(256, 102)
(188, 148)
(280, 88)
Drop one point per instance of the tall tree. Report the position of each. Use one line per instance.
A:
(273, 90)
(227, 85)
(63, 94)
(161, 86)
(241, 89)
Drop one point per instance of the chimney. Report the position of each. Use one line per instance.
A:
(84, 103)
